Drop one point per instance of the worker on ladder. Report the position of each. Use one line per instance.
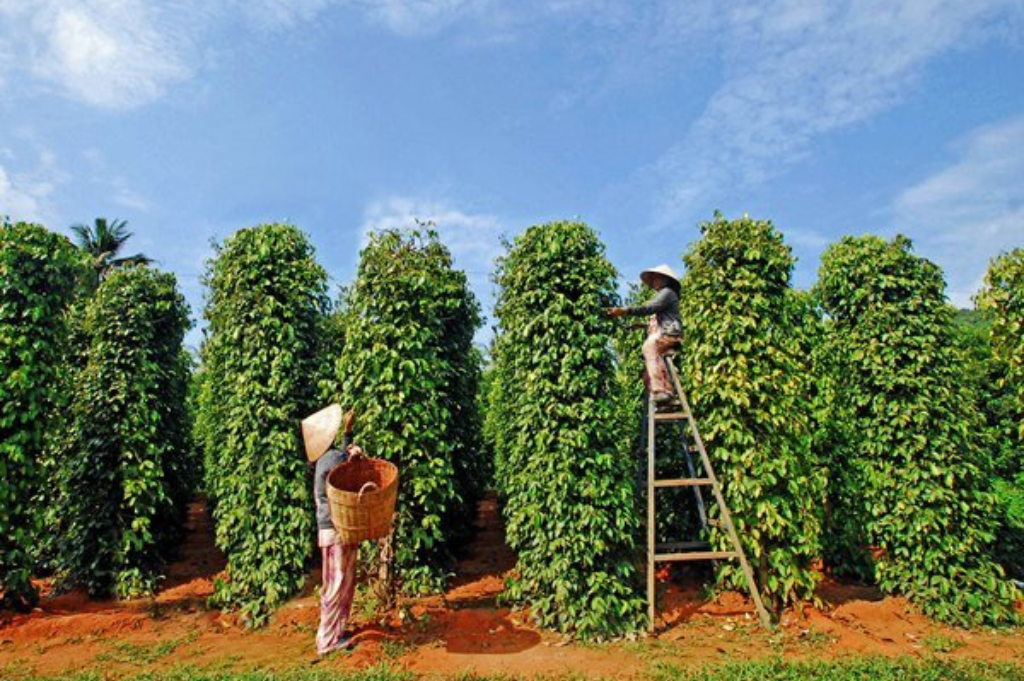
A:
(663, 330)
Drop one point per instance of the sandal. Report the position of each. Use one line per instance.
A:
(343, 643)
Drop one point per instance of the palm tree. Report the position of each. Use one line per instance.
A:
(103, 241)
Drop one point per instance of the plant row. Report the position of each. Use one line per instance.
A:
(846, 423)
(94, 433)
(397, 349)
(857, 425)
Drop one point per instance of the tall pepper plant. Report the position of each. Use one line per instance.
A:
(125, 467)
(409, 369)
(40, 275)
(1003, 299)
(564, 471)
(744, 364)
(262, 361)
(1001, 305)
(911, 505)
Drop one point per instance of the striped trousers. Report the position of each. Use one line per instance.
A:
(337, 589)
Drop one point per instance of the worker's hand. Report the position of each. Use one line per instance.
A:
(347, 420)
(354, 451)
(616, 311)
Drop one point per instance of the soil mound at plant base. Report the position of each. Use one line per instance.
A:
(63, 623)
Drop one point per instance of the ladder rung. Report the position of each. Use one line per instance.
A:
(695, 555)
(670, 416)
(714, 522)
(683, 482)
(680, 546)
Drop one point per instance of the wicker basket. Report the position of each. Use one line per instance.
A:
(361, 493)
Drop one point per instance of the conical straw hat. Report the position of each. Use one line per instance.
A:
(663, 269)
(319, 431)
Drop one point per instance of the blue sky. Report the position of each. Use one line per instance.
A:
(193, 118)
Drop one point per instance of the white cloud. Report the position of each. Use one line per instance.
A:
(107, 53)
(21, 200)
(112, 185)
(474, 239)
(970, 211)
(413, 17)
(26, 193)
(406, 17)
(276, 14)
(798, 69)
(125, 196)
(488, 20)
(122, 54)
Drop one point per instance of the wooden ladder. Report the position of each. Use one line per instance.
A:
(688, 551)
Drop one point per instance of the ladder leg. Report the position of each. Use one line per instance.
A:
(641, 452)
(650, 516)
(755, 593)
(690, 468)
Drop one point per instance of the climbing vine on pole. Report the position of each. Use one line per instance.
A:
(125, 468)
(563, 468)
(262, 360)
(910, 498)
(744, 365)
(40, 273)
(409, 369)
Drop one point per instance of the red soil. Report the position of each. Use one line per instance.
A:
(463, 630)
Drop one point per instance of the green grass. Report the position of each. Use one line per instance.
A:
(122, 651)
(938, 643)
(382, 672)
(860, 669)
(393, 650)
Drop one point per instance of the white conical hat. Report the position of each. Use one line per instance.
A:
(319, 431)
(662, 269)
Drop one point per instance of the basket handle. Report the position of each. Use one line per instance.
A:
(362, 489)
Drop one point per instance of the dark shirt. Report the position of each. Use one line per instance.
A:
(324, 465)
(665, 306)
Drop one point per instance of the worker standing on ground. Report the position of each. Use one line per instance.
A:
(339, 560)
(663, 330)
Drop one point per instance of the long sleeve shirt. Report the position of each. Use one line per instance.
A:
(664, 306)
(324, 465)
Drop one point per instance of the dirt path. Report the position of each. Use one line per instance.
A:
(463, 631)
